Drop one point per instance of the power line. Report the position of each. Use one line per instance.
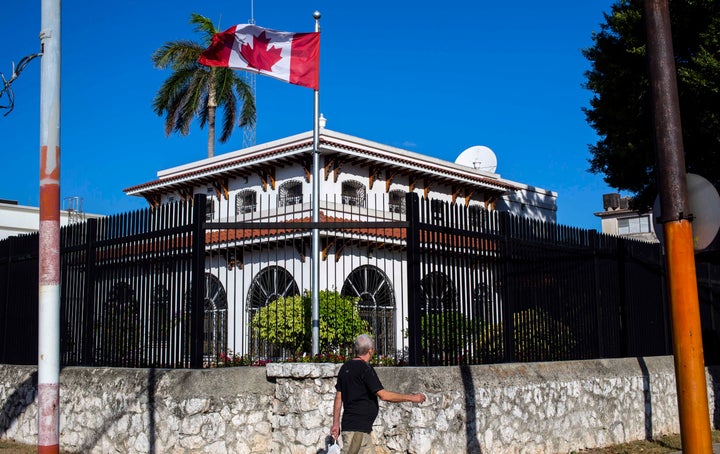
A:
(6, 83)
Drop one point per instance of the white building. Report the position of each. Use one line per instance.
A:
(20, 219)
(361, 181)
(284, 166)
(619, 219)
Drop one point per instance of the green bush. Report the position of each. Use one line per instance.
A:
(282, 322)
(285, 322)
(444, 334)
(537, 337)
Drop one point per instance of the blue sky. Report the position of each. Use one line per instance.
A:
(431, 77)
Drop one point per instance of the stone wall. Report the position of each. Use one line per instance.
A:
(287, 408)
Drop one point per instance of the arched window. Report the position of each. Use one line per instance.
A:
(353, 193)
(396, 201)
(439, 339)
(120, 333)
(209, 208)
(245, 201)
(268, 285)
(376, 304)
(210, 205)
(122, 296)
(477, 217)
(160, 323)
(215, 341)
(481, 294)
(438, 208)
(485, 303)
(438, 292)
(290, 193)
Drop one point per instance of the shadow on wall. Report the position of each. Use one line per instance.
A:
(26, 392)
(715, 377)
(110, 420)
(17, 402)
(471, 435)
(647, 397)
(532, 203)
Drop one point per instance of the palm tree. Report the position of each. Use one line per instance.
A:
(194, 90)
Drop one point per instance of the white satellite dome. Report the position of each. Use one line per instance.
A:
(478, 157)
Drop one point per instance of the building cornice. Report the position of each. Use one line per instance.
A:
(296, 148)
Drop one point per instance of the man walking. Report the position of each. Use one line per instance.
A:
(358, 388)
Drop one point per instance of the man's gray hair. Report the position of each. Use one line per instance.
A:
(363, 344)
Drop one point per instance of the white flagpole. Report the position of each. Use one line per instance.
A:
(315, 284)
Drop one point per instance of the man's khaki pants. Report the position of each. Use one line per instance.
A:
(357, 443)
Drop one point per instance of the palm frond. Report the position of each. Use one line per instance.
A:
(171, 119)
(177, 54)
(171, 88)
(184, 95)
(248, 111)
(231, 85)
(229, 113)
(191, 102)
(203, 115)
(204, 26)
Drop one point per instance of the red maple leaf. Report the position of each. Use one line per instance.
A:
(260, 56)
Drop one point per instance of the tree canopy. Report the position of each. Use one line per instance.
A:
(195, 91)
(620, 110)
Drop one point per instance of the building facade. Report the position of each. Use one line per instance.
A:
(619, 219)
(270, 185)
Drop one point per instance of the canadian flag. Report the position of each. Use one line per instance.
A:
(292, 57)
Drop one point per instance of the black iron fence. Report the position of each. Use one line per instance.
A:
(499, 288)
(19, 300)
(127, 285)
(126, 291)
(708, 276)
(435, 282)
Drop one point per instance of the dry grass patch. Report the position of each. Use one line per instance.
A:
(661, 445)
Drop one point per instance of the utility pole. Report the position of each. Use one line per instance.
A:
(49, 244)
(677, 229)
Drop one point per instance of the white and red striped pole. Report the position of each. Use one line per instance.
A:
(49, 244)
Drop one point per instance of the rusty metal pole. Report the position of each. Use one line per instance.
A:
(49, 244)
(679, 253)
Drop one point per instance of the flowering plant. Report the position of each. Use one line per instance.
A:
(232, 360)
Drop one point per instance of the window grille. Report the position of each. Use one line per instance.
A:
(215, 340)
(476, 216)
(376, 304)
(396, 201)
(437, 210)
(210, 208)
(353, 193)
(438, 292)
(245, 202)
(160, 315)
(290, 193)
(269, 284)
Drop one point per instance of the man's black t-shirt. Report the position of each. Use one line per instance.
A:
(358, 383)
